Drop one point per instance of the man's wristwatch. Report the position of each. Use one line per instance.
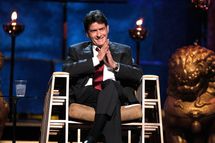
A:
(117, 67)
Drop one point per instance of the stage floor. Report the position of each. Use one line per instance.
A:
(28, 131)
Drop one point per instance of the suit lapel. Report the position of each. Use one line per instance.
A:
(87, 52)
(115, 52)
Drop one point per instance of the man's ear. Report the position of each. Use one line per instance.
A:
(87, 35)
(108, 29)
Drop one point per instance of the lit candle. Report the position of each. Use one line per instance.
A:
(13, 18)
(139, 23)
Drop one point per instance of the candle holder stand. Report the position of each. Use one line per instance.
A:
(13, 29)
(139, 33)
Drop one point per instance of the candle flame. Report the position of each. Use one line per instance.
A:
(139, 22)
(14, 16)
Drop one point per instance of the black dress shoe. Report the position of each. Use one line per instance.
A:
(90, 139)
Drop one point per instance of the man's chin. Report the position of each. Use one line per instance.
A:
(99, 45)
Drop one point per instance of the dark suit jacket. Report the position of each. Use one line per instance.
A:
(80, 66)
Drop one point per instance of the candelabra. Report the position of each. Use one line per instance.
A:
(138, 34)
(13, 28)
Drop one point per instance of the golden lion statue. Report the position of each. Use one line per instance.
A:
(4, 107)
(189, 109)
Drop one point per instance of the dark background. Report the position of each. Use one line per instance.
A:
(41, 48)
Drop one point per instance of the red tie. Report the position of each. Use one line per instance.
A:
(98, 76)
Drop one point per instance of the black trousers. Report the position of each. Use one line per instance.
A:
(106, 101)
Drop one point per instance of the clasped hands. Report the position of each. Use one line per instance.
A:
(104, 55)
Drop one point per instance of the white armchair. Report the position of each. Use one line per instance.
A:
(77, 113)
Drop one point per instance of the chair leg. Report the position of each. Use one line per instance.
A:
(55, 98)
(149, 103)
(129, 136)
(79, 135)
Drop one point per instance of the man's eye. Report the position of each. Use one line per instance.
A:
(102, 29)
(92, 30)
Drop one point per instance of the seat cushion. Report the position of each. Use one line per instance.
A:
(87, 113)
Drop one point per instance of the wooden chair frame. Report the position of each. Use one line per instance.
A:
(74, 111)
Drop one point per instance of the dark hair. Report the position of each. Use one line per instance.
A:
(94, 16)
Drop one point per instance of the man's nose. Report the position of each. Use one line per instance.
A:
(98, 33)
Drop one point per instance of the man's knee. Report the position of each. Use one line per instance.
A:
(112, 85)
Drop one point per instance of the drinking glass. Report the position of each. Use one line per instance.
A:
(20, 87)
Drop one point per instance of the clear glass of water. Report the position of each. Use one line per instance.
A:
(20, 87)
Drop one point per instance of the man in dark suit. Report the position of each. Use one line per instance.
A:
(102, 76)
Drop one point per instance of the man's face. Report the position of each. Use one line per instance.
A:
(98, 33)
